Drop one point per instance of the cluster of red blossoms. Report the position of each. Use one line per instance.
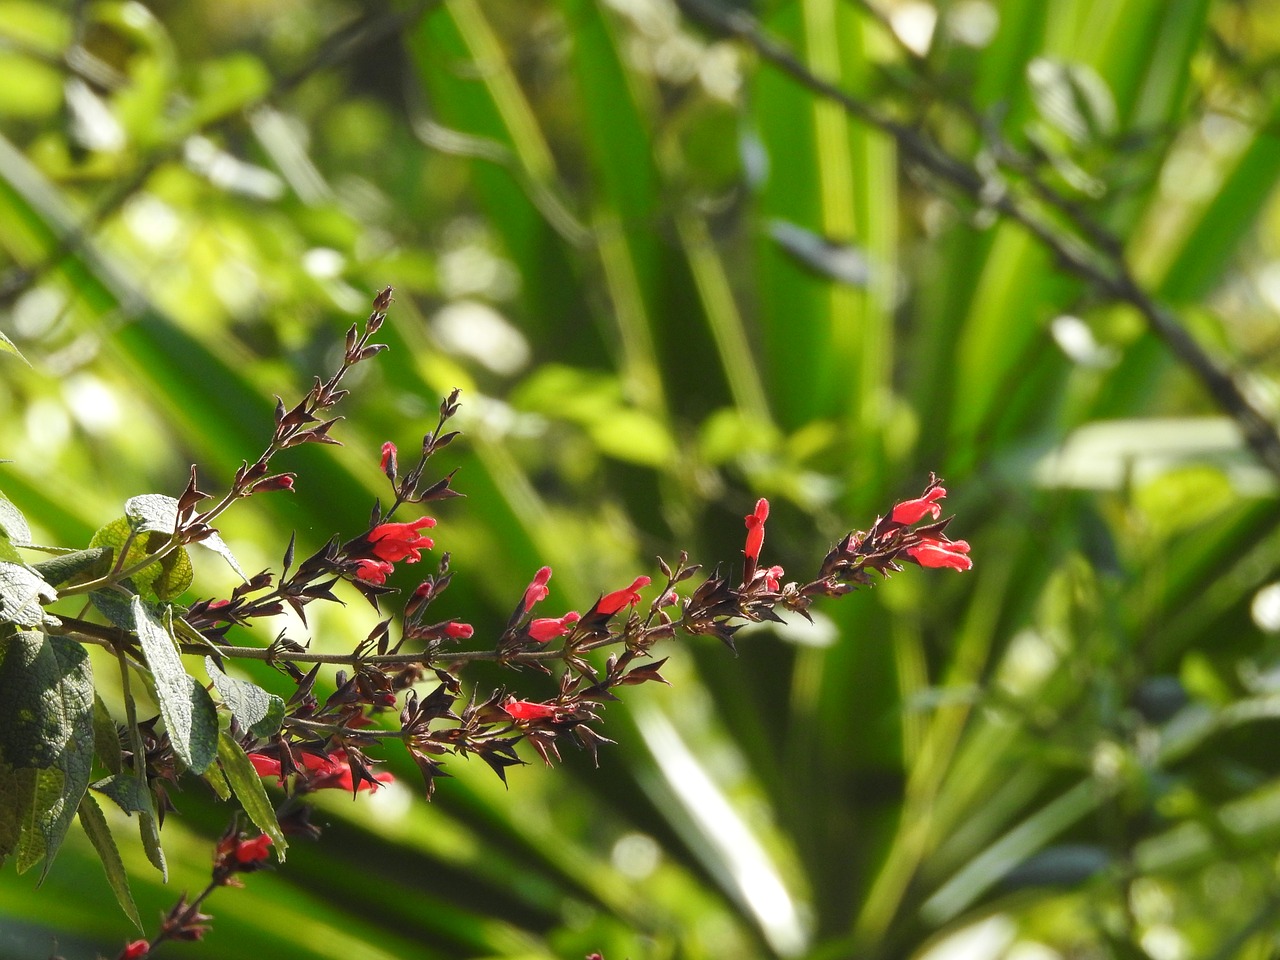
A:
(445, 722)
(931, 551)
(321, 773)
(889, 540)
(390, 543)
(234, 854)
(546, 629)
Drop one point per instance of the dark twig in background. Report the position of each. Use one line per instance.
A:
(1082, 251)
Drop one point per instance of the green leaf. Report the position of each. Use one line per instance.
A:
(7, 551)
(95, 825)
(46, 726)
(152, 513)
(128, 792)
(12, 523)
(256, 710)
(17, 790)
(167, 577)
(106, 740)
(176, 575)
(6, 346)
(149, 830)
(115, 606)
(217, 781)
(188, 711)
(23, 595)
(157, 513)
(58, 570)
(228, 85)
(249, 790)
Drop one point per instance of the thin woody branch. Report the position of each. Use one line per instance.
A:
(1097, 261)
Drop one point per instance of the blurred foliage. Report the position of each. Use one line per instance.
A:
(669, 280)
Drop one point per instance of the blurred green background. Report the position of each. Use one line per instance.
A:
(669, 280)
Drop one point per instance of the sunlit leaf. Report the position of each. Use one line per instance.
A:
(188, 712)
(249, 791)
(46, 726)
(95, 826)
(257, 711)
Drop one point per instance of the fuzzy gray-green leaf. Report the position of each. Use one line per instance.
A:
(46, 726)
(256, 710)
(189, 713)
(95, 826)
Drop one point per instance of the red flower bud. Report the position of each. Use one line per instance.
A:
(546, 629)
(388, 459)
(755, 529)
(941, 553)
(458, 631)
(526, 710)
(135, 950)
(420, 596)
(909, 511)
(281, 481)
(537, 589)
(611, 603)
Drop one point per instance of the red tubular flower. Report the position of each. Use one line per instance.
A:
(388, 458)
(611, 603)
(755, 529)
(526, 710)
(458, 631)
(909, 511)
(546, 629)
(331, 772)
(373, 571)
(400, 541)
(941, 553)
(253, 851)
(135, 950)
(537, 589)
(334, 773)
(264, 765)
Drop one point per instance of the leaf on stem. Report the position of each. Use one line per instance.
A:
(7, 346)
(46, 743)
(58, 570)
(166, 578)
(249, 790)
(157, 513)
(95, 826)
(129, 793)
(17, 788)
(13, 525)
(106, 739)
(188, 711)
(257, 711)
(23, 595)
